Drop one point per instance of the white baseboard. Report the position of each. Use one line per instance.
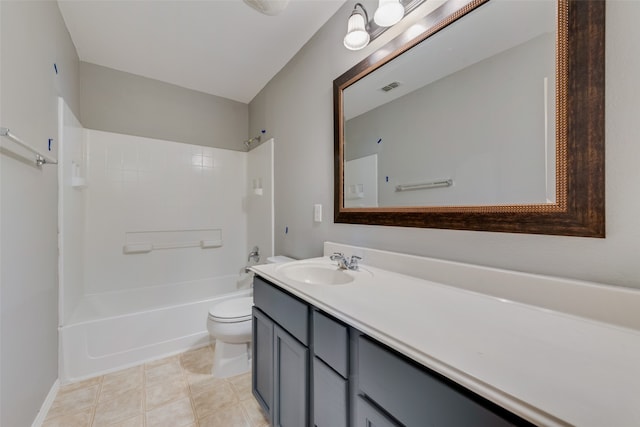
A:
(46, 405)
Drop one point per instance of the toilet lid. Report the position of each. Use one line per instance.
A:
(232, 310)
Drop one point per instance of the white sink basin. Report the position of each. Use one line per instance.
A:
(318, 274)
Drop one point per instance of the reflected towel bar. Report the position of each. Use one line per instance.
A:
(144, 248)
(41, 159)
(425, 185)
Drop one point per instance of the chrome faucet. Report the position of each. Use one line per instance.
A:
(254, 255)
(344, 263)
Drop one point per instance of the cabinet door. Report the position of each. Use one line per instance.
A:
(368, 416)
(262, 361)
(330, 401)
(291, 376)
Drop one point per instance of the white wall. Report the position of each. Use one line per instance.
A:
(33, 38)
(72, 203)
(296, 107)
(137, 184)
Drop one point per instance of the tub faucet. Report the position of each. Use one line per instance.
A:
(344, 263)
(254, 255)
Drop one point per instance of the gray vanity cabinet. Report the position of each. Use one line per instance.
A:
(280, 379)
(310, 369)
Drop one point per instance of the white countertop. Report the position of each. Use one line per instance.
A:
(549, 367)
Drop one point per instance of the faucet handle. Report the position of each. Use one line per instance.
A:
(353, 263)
(343, 264)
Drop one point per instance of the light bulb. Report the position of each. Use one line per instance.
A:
(357, 36)
(389, 12)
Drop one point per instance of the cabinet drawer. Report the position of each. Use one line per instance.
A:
(330, 342)
(368, 416)
(417, 397)
(330, 408)
(291, 313)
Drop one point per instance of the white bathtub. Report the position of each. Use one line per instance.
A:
(116, 330)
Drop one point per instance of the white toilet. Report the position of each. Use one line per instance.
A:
(229, 324)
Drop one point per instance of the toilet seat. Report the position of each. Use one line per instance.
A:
(232, 310)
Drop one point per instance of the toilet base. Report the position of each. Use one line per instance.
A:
(231, 359)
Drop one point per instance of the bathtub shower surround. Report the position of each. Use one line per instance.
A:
(158, 234)
(162, 191)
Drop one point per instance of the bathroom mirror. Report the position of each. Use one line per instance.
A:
(484, 115)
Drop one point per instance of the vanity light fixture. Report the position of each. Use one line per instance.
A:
(357, 35)
(389, 12)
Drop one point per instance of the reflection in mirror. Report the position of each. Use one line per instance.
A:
(475, 127)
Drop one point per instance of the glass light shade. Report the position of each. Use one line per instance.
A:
(389, 12)
(357, 36)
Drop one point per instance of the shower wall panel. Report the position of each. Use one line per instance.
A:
(138, 184)
(71, 211)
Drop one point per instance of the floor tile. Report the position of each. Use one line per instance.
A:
(214, 399)
(127, 405)
(230, 416)
(165, 392)
(199, 383)
(80, 384)
(164, 372)
(131, 422)
(242, 386)
(71, 402)
(176, 414)
(114, 385)
(178, 391)
(198, 361)
(254, 413)
(79, 419)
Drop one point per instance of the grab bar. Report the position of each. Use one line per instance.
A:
(425, 185)
(41, 159)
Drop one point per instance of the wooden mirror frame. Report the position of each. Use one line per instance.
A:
(579, 209)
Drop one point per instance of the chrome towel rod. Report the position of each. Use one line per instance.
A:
(41, 159)
(425, 185)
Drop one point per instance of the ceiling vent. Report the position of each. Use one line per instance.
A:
(390, 86)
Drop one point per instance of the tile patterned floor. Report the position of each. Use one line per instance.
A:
(178, 391)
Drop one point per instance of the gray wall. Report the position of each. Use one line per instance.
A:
(115, 101)
(496, 152)
(33, 38)
(296, 109)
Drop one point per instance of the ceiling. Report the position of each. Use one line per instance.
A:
(220, 47)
